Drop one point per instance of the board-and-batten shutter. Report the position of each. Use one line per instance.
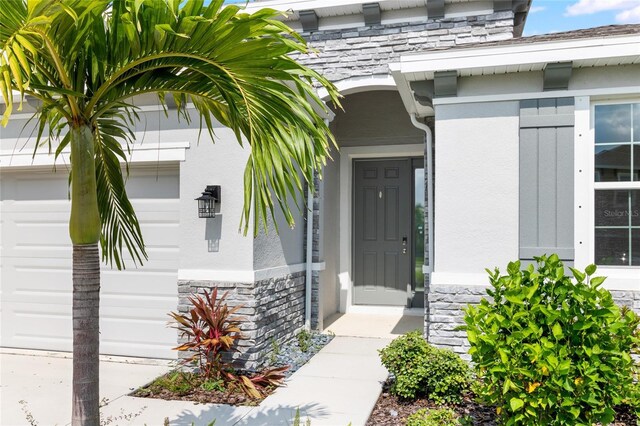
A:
(546, 177)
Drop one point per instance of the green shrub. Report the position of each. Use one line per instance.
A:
(548, 350)
(420, 368)
(433, 417)
(633, 397)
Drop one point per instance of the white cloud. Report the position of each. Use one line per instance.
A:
(588, 7)
(535, 9)
(630, 16)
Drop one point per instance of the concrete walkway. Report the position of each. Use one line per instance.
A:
(42, 380)
(338, 386)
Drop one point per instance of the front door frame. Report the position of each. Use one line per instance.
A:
(347, 155)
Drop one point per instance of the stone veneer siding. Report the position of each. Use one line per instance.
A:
(367, 50)
(273, 310)
(627, 298)
(447, 302)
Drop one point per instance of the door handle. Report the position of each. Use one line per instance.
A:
(404, 245)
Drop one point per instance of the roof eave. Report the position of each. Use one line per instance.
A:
(481, 58)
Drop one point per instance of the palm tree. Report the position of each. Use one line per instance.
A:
(83, 61)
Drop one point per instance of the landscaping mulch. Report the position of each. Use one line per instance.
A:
(392, 411)
(289, 354)
(199, 395)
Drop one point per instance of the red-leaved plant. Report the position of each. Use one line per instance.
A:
(211, 329)
(257, 385)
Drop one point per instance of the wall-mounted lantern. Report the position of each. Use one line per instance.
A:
(208, 200)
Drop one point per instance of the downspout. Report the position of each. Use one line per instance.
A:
(309, 260)
(427, 268)
(307, 290)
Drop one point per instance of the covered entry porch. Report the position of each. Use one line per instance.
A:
(371, 211)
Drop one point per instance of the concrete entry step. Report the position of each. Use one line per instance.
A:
(381, 326)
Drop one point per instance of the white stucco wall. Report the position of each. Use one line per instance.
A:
(213, 244)
(285, 246)
(330, 236)
(531, 82)
(476, 186)
(374, 118)
(603, 78)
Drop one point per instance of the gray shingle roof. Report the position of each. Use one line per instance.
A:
(597, 32)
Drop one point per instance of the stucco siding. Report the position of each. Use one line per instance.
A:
(284, 246)
(215, 243)
(329, 241)
(374, 118)
(476, 186)
(531, 82)
(500, 83)
(604, 78)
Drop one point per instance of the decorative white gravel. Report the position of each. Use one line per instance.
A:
(290, 353)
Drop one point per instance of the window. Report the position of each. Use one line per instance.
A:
(617, 184)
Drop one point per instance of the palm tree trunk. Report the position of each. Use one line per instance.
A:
(84, 229)
(86, 337)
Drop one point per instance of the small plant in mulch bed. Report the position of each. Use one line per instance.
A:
(304, 340)
(435, 417)
(211, 330)
(419, 369)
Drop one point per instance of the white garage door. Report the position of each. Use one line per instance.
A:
(35, 276)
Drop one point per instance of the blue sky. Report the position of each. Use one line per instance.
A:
(563, 15)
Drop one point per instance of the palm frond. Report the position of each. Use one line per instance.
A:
(84, 61)
(120, 226)
(234, 69)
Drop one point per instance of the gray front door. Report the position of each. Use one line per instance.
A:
(382, 228)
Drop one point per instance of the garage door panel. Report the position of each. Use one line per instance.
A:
(36, 268)
(41, 191)
(154, 186)
(142, 330)
(159, 260)
(33, 250)
(23, 235)
(160, 236)
(148, 293)
(48, 282)
(37, 325)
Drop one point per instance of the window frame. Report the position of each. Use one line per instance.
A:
(611, 185)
